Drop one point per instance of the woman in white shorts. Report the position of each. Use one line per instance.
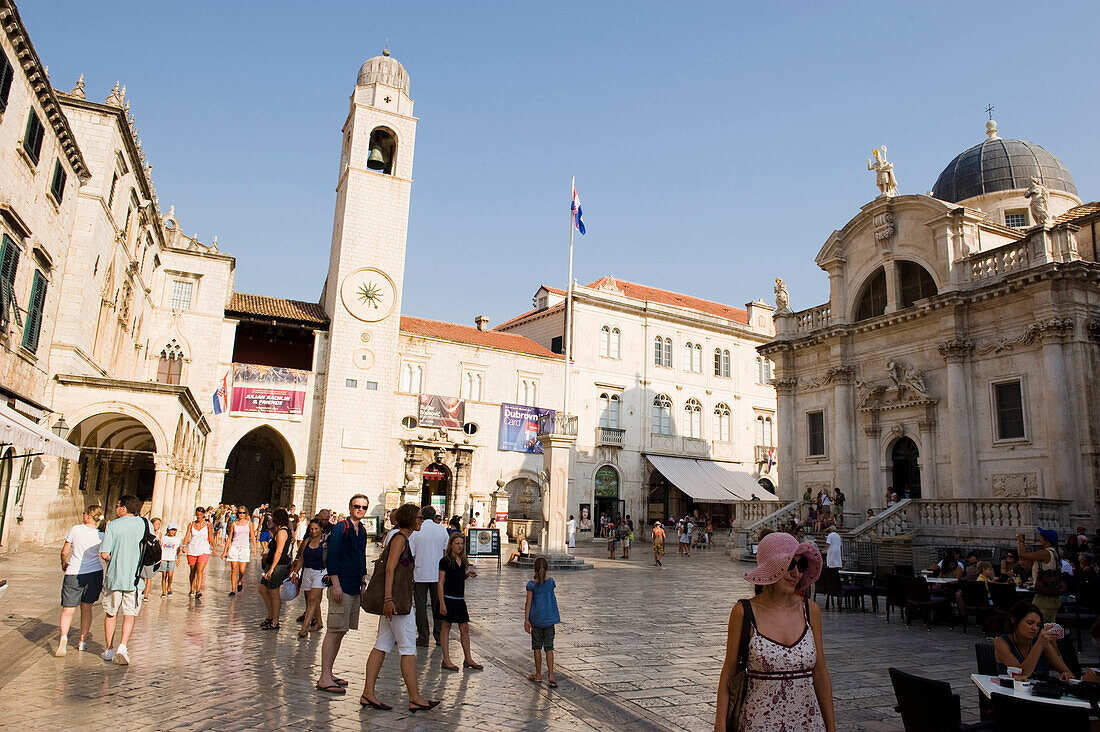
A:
(238, 546)
(309, 571)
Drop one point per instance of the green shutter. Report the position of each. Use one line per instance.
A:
(57, 186)
(34, 313)
(7, 73)
(9, 263)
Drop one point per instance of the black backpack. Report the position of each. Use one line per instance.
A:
(150, 550)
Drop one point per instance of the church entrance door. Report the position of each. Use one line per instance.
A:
(437, 482)
(906, 461)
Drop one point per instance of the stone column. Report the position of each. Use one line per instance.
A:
(875, 488)
(461, 494)
(964, 469)
(556, 463)
(1059, 413)
(787, 489)
(893, 293)
(927, 427)
(160, 484)
(844, 421)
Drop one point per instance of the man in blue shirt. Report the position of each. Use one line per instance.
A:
(121, 553)
(346, 560)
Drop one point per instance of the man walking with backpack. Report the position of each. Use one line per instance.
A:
(346, 563)
(121, 552)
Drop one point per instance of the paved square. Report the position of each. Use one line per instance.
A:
(639, 648)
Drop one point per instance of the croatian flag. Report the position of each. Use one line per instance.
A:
(578, 221)
(771, 460)
(221, 396)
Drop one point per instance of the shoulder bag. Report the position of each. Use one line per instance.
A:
(1049, 581)
(738, 684)
(373, 597)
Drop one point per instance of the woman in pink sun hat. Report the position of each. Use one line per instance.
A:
(789, 688)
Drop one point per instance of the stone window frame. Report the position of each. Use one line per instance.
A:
(611, 339)
(693, 418)
(606, 399)
(472, 376)
(994, 415)
(1017, 218)
(824, 434)
(415, 368)
(662, 351)
(662, 416)
(723, 422)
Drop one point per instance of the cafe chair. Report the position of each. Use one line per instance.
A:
(895, 594)
(987, 666)
(904, 570)
(1004, 596)
(926, 705)
(1069, 655)
(835, 588)
(918, 599)
(1082, 612)
(1014, 713)
(975, 601)
(874, 589)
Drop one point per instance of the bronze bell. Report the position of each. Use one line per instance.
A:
(376, 161)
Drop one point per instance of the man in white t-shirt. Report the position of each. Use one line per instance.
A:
(427, 544)
(833, 551)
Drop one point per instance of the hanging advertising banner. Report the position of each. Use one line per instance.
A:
(268, 389)
(441, 411)
(519, 428)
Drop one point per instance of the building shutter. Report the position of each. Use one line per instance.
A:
(7, 73)
(9, 263)
(34, 313)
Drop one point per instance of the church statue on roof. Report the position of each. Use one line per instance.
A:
(884, 172)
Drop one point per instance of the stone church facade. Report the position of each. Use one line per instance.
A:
(956, 360)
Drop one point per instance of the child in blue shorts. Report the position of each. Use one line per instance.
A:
(540, 615)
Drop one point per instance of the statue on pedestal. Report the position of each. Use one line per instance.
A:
(1040, 202)
(884, 172)
(782, 299)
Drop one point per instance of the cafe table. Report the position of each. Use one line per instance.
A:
(988, 685)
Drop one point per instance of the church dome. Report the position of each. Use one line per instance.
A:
(1001, 165)
(384, 69)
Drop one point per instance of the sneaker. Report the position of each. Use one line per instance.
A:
(122, 658)
(169, 593)
(164, 594)
(108, 655)
(82, 646)
(62, 647)
(198, 595)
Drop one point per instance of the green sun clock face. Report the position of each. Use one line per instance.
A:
(368, 294)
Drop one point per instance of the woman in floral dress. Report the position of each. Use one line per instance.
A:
(789, 689)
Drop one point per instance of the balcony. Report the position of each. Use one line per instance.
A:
(557, 423)
(609, 437)
(761, 453)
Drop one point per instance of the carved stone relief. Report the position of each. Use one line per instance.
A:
(1057, 328)
(836, 374)
(1015, 485)
(906, 385)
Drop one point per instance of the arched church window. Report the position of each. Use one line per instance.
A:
(382, 151)
(916, 283)
(662, 415)
(872, 302)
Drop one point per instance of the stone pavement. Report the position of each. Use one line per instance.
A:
(639, 648)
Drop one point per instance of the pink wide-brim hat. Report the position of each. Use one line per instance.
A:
(773, 558)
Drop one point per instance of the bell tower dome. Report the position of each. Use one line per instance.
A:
(362, 294)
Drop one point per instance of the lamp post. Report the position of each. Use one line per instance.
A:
(62, 430)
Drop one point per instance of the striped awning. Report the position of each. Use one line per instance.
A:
(15, 429)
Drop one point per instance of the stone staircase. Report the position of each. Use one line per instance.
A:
(558, 562)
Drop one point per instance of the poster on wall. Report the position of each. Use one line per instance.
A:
(519, 428)
(441, 411)
(268, 389)
(585, 524)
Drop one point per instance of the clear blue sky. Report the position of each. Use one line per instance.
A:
(716, 145)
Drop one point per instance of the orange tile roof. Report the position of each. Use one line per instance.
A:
(277, 308)
(551, 309)
(1078, 212)
(667, 297)
(473, 336)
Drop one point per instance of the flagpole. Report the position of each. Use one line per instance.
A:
(569, 299)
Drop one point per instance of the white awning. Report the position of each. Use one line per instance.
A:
(17, 430)
(708, 481)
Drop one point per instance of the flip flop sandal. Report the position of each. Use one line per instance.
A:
(339, 681)
(552, 684)
(474, 666)
(334, 689)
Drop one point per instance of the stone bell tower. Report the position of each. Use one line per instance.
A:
(362, 295)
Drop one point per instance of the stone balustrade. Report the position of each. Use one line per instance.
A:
(757, 515)
(1002, 260)
(557, 423)
(813, 318)
(964, 519)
